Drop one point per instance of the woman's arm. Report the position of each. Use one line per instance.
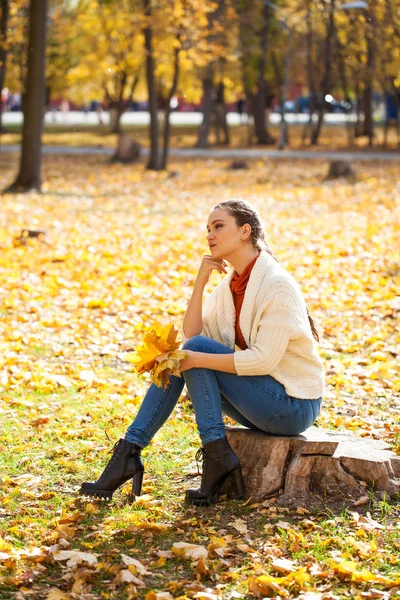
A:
(202, 360)
(193, 320)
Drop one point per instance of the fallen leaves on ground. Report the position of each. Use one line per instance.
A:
(122, 250)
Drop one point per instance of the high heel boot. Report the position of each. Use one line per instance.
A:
(219, 464)
(126, 463)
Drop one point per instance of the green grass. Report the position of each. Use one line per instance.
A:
(57, 452)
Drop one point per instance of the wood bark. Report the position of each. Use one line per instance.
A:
(220, 116)
(282, 83)
(316, 467)
(310, 72)
(204, 129)
(118, 107)
(390, 19)
(167, 125)
(29, 176)
(340, 56)
(396, 94)
(154, 159)
(208, 81)
(329, 43)
(244, 26)
(260, 97)
(368, 128)
(4, 8)
(128, 151)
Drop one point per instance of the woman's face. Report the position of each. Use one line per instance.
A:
(224, 236)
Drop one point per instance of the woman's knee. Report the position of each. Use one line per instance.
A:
(195, 343)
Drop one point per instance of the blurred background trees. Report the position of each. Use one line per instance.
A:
(253, 56)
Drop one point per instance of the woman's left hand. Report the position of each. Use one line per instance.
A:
(188, 362)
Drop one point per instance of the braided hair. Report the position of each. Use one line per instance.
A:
(243, 213)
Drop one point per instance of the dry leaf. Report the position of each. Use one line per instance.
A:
(283, 565)
(192, 551)
(240, 525)
(361, 501)
(126, 576)
(263, 587)
(56, 594)
(158, 596)
(140, 568)
(75, 557)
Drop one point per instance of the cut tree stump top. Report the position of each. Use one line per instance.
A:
(317, 463)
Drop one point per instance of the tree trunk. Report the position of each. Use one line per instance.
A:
(154, 160)
(314, 469)
(116, 113)
(345, 88)
(330, 38)
(204, 129)
(397, 98)
(368, 128)
(391, 19)
(4, 8)
(282, 75)
(208, 79)
(259, 104)
(394, 91)
(250, 114)
(29, 176)
(119, 106)
(220, 119)
(358, 122)
(168, 109)
(308, 126)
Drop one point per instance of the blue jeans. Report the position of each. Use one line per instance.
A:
(257, 402)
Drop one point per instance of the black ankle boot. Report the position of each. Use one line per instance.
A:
(219, 464)
(126, 463)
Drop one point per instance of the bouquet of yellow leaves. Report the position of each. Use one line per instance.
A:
(158, 354)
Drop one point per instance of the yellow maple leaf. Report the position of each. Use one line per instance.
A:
(267, 585)
(158, 354)
(168, 366)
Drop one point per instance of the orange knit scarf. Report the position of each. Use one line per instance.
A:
(238, 288)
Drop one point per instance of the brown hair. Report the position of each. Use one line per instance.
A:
(243, 213)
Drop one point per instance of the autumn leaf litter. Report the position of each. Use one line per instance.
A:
(122, 250)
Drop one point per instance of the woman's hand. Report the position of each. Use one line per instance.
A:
(189, 362)
(208, 265)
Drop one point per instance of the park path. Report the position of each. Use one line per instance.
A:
(233, 153)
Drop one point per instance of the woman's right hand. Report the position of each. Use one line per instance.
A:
(209, 264)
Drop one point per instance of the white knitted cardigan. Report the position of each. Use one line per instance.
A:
(275, 326)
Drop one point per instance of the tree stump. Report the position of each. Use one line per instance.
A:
(340, 168)
(128, 151)
(318, 466)
(237, 165)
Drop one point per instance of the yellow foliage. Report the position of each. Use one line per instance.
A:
(158, 354)
(267, 585)
(348, 569)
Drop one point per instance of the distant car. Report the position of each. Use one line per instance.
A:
(330, 103)
(337, 106)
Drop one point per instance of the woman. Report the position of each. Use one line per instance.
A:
(251, 354)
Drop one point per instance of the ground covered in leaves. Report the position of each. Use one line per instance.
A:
(120, 249)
